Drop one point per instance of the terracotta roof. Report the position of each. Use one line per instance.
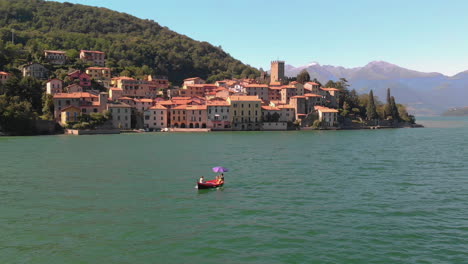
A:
(98, 68)
(125, 98)
(4, 73)
(158, 107)
(325, 109)
(54, 79)
(298, 96)
(217, 102)
(245, 98)
(330, 89)
(115, 89)
(193, 78)
(74, 95)
(270, 108)
(180, 107)
(256, 86)
(119, 105)
(275, 83)
(143, 100)
(312, 95)
(55, 51)
(123, 78)
(92, 51)
(180, 98)
(293, 82)
(196, 107)
(167, 102)
(313, 83)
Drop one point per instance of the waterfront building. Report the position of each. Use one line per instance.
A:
(287, 113)
(92, 56)
(69, 114)
(54, 86)
(261, 90)
(81, 78)
(35, 70)
(219, 117)
(328, 116)
(4, 76)
(143, 104)
(178, 116)
(86, 102)
(57, 57)
(332, 96)
(196, 116)
(156, 117)
(121, 115)
(246, 112)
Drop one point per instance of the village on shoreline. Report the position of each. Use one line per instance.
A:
(93, 101)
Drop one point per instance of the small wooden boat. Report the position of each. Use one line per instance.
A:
(209, 184)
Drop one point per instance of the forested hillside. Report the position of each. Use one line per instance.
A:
(132, 45)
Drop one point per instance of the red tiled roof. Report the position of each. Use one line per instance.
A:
(285, 106)
(158, 107)
(193, 78)
(270, 108)
(123, 78)
(245, 98)
(196, 107)
(98, 68)
(217, 102)
(55, 51)
(325, 109)
(313, 83)
(256, 86)
(119, 105)
(92, 51)
(330, 89)
(4, 73)
(74, 95)
(125, 98)
(143, 100)
(298, 96)
(312, 95)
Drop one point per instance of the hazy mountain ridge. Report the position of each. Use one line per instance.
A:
(424, 93)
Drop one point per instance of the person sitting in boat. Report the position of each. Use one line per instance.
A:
(201, 180)
(220, 178)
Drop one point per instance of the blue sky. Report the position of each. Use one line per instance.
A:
(428, 36)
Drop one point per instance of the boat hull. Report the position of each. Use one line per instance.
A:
(209, 185)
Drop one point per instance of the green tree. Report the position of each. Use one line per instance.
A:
(48, 107)
(330, 84)
(303, 77)
(16, 116)
(371, 109)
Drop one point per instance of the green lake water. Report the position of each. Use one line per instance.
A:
(368, 196)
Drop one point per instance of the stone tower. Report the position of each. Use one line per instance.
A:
(277, 71)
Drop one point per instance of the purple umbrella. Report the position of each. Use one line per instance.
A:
(220, 169)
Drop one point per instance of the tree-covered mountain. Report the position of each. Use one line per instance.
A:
(131, 44)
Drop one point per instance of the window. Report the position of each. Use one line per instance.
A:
(162, 118)
(118, 117)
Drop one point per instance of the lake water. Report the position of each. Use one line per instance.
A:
(368, 196)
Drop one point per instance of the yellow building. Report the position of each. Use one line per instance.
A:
(69, 114)
(246, 112)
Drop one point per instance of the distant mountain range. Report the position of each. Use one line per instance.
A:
(423, 93)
